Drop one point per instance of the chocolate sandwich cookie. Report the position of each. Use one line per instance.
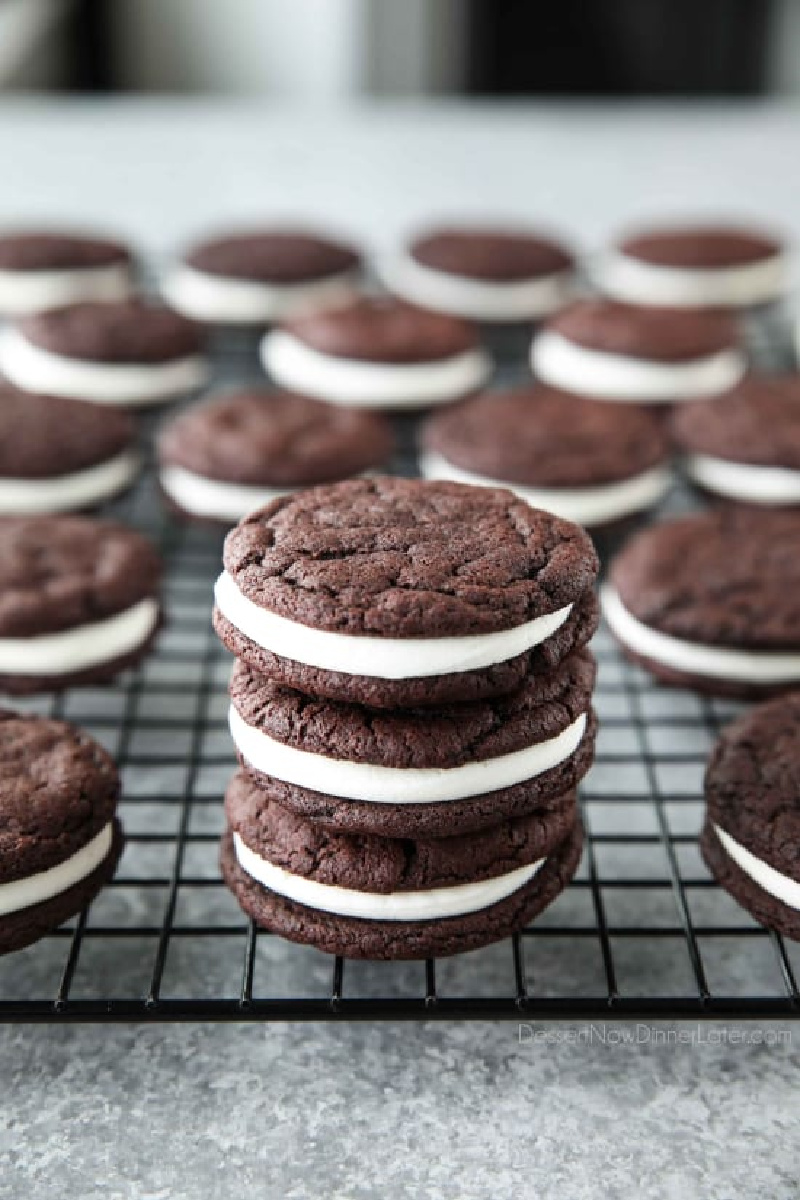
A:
(260, 276)
(745, 444)
(60, 840)
(61, 455)
(46, 269)
(751, 837)
(585, 460)
(221, 460)
(130, 353)
(377, 353)
(712, 601)
(649, 355)
(696, 266)
(483, 273)
(375, 897)
(428, 772)
(397, 592)
(78, 601)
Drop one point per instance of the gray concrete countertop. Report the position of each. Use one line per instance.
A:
(187, 1113)
(291, 1111)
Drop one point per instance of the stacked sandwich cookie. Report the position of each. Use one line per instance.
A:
(411, 708)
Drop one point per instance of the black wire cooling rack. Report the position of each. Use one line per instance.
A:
(642, 932)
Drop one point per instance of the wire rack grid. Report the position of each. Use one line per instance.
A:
(642, 932)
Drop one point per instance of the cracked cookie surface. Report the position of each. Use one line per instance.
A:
(543, 437)
(757, 422)
(724, 578)
(278, 439)
(444, 737)
(59, 572)
(58, 791)
(384, 866)
(407, 558)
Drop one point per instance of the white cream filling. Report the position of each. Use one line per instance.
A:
(586, 506)
(432, 904)
(220, 299)
(35, 889)
(37, 370)
(631, 279)
(400, 785)
(477, 299)
(744, 481)
(780, 886)
(212, 497)
(358, 384)
(65, 493)
(80, 648)
(714, 662)
(574, 368)
(378, 657)
(23, 292)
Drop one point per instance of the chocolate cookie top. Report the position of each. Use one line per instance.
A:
(662, 334)
(724, 578)
(370, 863)
(275, 439)
(42, 437)
(753, 783)
(490, 255)
(60, 572)
(409, 558)
(701, 246)
(273, 256)
(58, 789)
(384, 330)
(127, 331)
(42, 251)
(543, 437)
(757, 422)
(450, 736)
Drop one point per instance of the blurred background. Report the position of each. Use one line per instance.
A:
(344, 49)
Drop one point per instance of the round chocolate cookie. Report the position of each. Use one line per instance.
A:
(745, 444)
(712, 601)
(483, 273)
(585, 460)
(78, 601)
(650, 355)
(751, 838)
(375, 897)
(696, 266)
(451, 687)
(60, 840)
(259, 276)
(431, 772)
(128, 353)
(399, 591)
(377, 353)
(60, 455)
(221, 460)
(46, 269)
